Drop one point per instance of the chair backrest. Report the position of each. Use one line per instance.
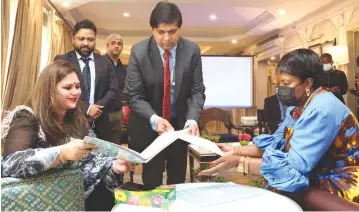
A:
(216, 114)
(260, 115)
(261, 123)
(53, 190)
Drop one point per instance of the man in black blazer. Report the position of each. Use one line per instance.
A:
(148, 87)
(114, 46)
(274, 112)
(102, 90)
(333, 80)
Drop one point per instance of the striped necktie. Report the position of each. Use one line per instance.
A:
(86, 75)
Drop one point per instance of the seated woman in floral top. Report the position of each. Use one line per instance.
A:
(48, 133)
(316, 145)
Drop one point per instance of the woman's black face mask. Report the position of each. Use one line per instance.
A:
(287, 97)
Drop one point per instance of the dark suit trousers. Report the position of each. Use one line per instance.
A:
(100, 199)
(103, 127)
(173, 160)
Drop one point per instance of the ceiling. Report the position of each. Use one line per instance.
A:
(245, 21)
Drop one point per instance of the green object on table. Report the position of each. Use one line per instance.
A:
(55, 190)
(244, 142)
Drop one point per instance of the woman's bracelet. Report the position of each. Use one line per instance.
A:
(246, 168)
(61, 159)
(238, 150)
(243, 166)
(240, 167)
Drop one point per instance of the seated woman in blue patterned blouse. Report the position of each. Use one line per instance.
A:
(48, 133)
(316, 145)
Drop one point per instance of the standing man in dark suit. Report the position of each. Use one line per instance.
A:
(114, 46)
(165, 91)
(274, 112)
(98, 81)
(333, 80)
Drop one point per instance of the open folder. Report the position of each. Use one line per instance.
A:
(161, 142)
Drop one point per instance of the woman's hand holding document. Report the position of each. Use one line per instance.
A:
(201, 142)
(161, 142)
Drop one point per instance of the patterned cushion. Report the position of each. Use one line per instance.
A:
(55, 190)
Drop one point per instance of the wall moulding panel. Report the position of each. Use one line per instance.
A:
(352, 22)
(326, 24)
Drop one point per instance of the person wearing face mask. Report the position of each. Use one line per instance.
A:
(355, 91)
(315, 146)
(333, 80)
(274, 112)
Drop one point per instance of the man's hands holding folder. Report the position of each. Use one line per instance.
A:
(193, 129)
(164, 126)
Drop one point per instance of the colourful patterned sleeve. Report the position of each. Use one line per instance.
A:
(29, 162)
(313, 135)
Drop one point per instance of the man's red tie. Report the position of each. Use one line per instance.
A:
(167, 87)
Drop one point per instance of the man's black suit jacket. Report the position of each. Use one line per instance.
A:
(272, 112)
(144, 88)
(335, 78)
(106, 88)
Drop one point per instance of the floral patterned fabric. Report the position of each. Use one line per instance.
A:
(338, 170)
(320, 148)
(36, 154)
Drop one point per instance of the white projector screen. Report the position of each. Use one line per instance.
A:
(228, 81)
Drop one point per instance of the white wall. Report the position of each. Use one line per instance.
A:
(261, 83)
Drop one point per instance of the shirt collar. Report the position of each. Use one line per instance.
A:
(173, 51)
(119, 62)
(79, 56)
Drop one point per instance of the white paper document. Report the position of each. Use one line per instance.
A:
(203, 195)
(160, 143)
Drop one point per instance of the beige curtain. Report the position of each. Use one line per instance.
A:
(60, 38)
(5, 22)
(25, 53)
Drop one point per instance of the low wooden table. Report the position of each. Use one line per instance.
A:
(201, 155)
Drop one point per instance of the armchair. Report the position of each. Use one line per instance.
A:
(262, 124)
(316, 199)
(216, 114)
(54, 190)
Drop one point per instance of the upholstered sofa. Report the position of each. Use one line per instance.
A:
(55, 190)
(316, 199)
